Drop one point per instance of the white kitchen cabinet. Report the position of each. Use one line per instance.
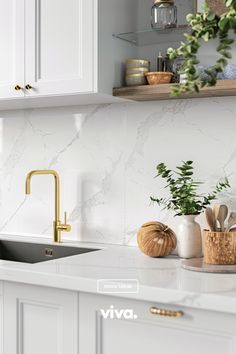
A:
(59, 46)
(1, 320)
(1, 325)
(12, 48)
(196, 332)
(62, 52)
(39, 320)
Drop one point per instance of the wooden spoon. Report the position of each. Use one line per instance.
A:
(210, 218)
(231, 221)
(221, 212)
(215, 210)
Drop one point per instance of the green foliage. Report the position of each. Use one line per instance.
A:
(205, 26)
(184, 198)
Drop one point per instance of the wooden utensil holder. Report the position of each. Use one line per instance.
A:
(219, 247)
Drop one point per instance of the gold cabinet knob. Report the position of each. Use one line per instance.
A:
(28, 87)
(165, 313)
(18, 88)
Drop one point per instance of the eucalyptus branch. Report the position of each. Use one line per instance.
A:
(184, 198)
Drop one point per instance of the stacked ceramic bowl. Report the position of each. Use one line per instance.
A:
(135, 72)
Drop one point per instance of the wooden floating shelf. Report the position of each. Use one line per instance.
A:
(162, 92)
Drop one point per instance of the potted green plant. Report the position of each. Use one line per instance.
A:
(205, 27)
(187, 203)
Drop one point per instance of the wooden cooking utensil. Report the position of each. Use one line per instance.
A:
(210, 219)
(215, 209)
(231, 221)
(221, 212)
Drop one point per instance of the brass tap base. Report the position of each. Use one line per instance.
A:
(58, 227)
(56, 232)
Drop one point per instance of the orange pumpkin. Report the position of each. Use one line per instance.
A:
(156, 239)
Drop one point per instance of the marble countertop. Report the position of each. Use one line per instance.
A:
(159, 280)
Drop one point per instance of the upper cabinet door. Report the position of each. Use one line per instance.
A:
(60, 46)
(12, 48)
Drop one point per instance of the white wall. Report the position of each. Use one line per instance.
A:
(106, 156)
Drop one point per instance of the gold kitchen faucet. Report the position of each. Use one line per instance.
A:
(58, 227)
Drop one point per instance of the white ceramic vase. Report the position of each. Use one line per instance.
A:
(189, 237)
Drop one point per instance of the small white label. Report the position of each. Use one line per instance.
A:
(123, 286)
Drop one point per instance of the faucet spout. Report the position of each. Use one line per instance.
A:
(58, 227)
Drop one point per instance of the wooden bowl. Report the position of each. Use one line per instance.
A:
(159, 77)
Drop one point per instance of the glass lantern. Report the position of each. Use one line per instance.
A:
(164, 14)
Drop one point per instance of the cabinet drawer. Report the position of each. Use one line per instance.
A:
(125, 326)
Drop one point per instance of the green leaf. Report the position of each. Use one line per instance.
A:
(206, 37)
(224, 24)
(229, 41)
(211, 16)
(228, 3)
(228, 55)
(189, 17)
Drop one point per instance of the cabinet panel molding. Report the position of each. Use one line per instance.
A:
(1, 325)
(59, 51)
(12, 48)
(39, 320)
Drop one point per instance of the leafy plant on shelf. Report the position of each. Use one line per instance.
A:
(184, 197)
(205, 26)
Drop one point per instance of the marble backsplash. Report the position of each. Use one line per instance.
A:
(106, 156)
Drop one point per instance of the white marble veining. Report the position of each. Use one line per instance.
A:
(160, 280)
(106, 156)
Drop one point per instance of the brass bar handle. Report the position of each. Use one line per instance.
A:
(64, 227)
(165, 313)
(18, 88)
(28, 87)
(65, 217)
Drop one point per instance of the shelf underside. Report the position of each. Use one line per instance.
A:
(162, 92)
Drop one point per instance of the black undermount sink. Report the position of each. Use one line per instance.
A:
(26, 252)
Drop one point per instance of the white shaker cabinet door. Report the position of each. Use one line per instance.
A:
(60, 46)
(12, 48)
(39, 320)
(197, 332)
(1, 325)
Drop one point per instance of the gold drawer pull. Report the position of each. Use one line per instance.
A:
(166, 313)
(28, 87)
(18, 88)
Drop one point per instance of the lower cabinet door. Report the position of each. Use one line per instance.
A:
(39, 320)
(1, 324)
(110, 325)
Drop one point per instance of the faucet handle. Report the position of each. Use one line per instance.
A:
(65, 217)
(66, 227)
